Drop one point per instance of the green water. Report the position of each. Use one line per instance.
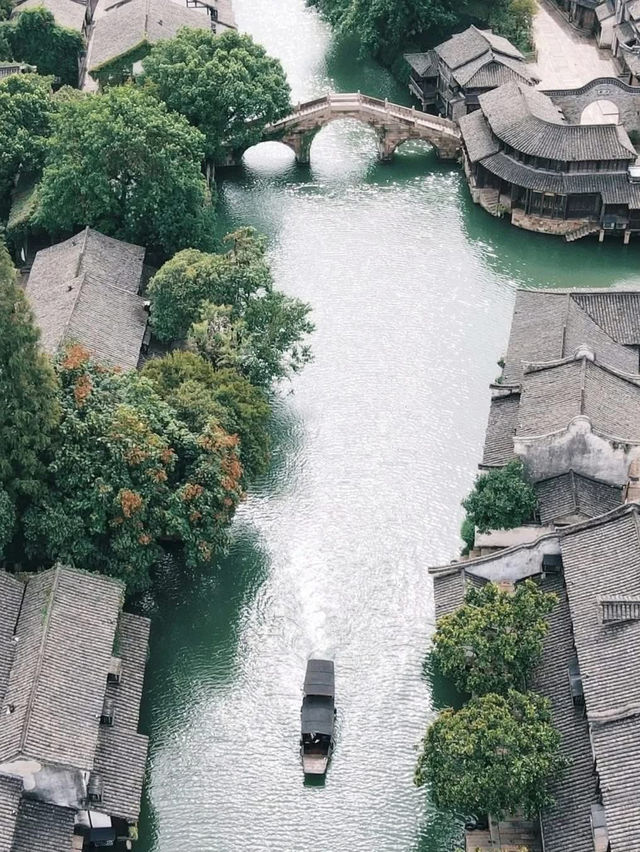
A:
(412, 289)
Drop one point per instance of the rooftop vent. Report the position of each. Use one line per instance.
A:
(575, 683)
(94, 789)
(115, 670)
(106, 717)
(615, 610)
(552, 563)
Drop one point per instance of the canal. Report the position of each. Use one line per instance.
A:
(375, 444)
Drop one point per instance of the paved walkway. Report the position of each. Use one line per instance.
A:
(566, 59)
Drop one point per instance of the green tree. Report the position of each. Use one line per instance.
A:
(226, 305)
(199, 393)
(29, 411)
(123, 164)
(497, 755)
(513, 19)
(493, 641)
(501, 499)
(7, 520)
(37, 39)
(387, 28)
(125, 476)
(192, 277)
(226, 85)
(26, 110)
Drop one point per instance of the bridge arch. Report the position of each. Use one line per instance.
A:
(393, 124)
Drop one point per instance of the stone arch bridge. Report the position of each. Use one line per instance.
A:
(393, 124)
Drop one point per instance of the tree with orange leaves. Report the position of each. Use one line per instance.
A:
(126, 477)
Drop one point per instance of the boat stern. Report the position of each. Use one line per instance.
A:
(314, 764)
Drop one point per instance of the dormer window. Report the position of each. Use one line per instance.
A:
(115, 670)
(617, 609)
(106, 717)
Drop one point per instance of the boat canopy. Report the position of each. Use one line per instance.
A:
(319, 679)
(317, 714)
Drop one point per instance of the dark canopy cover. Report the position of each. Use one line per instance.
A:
(317, 714)
(319, 679)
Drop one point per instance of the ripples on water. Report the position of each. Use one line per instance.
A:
(374, 446)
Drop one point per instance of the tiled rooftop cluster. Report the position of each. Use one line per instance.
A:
(573, 356)
(71, 673)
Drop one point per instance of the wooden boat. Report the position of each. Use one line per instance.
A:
(318, 716)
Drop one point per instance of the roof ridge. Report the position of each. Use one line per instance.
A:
(34, 683)
(67, 324)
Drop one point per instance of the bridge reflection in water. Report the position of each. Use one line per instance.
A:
(394, 124)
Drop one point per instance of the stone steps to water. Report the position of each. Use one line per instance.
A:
(582, 231)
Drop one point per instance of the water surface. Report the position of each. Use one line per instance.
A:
(375, 444)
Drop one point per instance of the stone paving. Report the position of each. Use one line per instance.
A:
(566, 59)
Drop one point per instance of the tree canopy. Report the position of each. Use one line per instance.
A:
(226, 85)
(501, 499)
(123, 164)
(29, 411)
(26, 110)
(389, 28)
(35, 38)
(497, 755)
(126, 475)
(227, 308)
(493, 641)
(198, 393)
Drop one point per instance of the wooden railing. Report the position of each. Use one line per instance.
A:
(346, 100)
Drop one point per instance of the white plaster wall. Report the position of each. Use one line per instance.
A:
(512, 565)
(580, 449)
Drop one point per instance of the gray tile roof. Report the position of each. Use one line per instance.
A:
(603, 12)
(122, 752)
(479, 142)
(491, 70)
(11, 591)
(529, 121)
(548, 325)
(463, 47)
(602, 561)
(10, 792)
(448, 590)
(572, 495)
(615, 311)
(424, 64)
(552, 396)
(565, 826)
(85, 290)
(67, 13)
(126, 25)
(501, 427)
(42, 827)
(65, 635)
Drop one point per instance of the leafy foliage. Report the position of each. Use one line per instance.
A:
(389, 28)
(198, 393)
(513, 19)
(226, 305)
(26, 110)
(125, 475)
(493, 641)
(7, 520)
(29, 411)
(37, 39)
(468, 534)
(123, 164)
(501, 499)
(226, 85)
(386, 27)
(496, 755)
